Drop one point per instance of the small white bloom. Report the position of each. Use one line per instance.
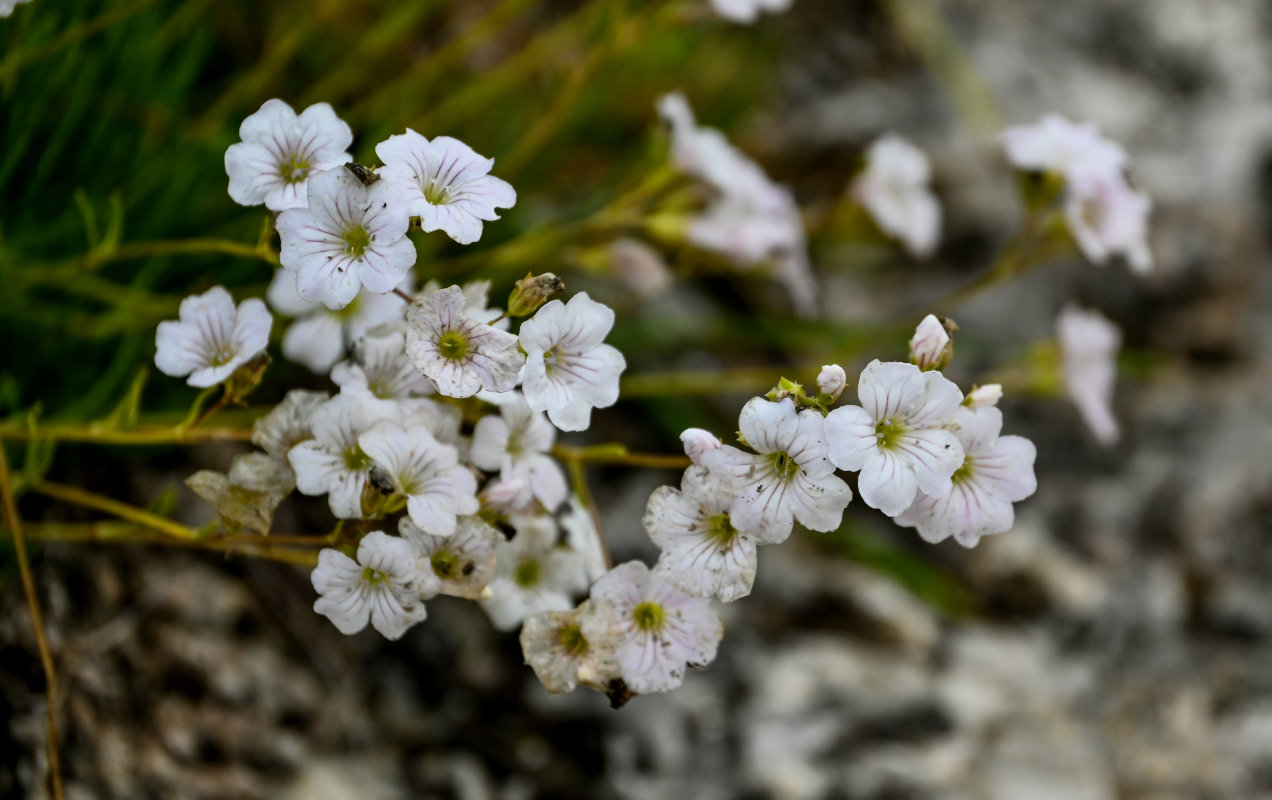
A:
(459, 354)
(318, 337)
(895, 189)
(351, 235)
(831, 381)
(7, 6)
(332, 463)
(287, 424)
(281, 151)
(384, 585)
(516, 444)
(996, 472)
(1108, 218)
(463, 562)
(983, 396)
(444, 183)
(378, 368)
(1059, 146)
(535, 574)
(568, 648)
(476, 302)
(569, 371)
(896, 436)
(788, 479)
(698, 442)
(753, 220)
(662, 630)
(428, 473)
(211, 338)
(929, 343)
(1089, 345)
(702, 553)
(747, 11)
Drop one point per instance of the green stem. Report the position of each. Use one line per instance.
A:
(97, 502)
(14, 524)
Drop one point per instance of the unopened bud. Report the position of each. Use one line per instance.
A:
(831, 381)
(931, 347)
(697, 441)
(531, 292)
(246, 378)
(981, 396)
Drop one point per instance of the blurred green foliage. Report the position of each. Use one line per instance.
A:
(115, 117)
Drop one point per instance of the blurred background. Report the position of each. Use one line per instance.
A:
(1115, 644)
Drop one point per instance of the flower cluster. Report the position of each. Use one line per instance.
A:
(1104, 214)
(437, 450)
(925, 455)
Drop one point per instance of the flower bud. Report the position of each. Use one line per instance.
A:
(981, 396)
(246, 378)
(697, 441)
(931, 347)
(531, 292)
(831, 381)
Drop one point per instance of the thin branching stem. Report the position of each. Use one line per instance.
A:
(14, 524)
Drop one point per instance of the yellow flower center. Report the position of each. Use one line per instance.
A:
(649, 616)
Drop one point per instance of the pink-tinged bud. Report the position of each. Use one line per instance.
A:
(503, 495)
(831, 380)
(981, 396)
(931, 347)
(697, 441)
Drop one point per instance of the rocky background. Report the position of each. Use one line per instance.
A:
(1115, 644)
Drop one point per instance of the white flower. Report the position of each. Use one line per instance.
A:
(463, 562)
(444, 183)
(702, 553)
(428, 473)
(385, 585)
(281, 151)
(983, 396)
(753, 220)
(928, 346)
(1107, 218)
(332, 463)
(287, 424)
(1057, 145)
(831, 381)
(661, 629)
(996, 472)
(566, 648)
(789, 478)
(378, 368)
(317, 338)
(896, 436)
(211, 338)
(476, 302)
(516, 444)
(7, 6)
(350, 236)
(894, 189)
(698, 442)
(568, 369)
(535, 574)
(748, 10)
(1089, 345)
(459, 354)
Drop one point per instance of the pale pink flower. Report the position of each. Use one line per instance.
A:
(281, 151)
(896, 437)
(895, 189)
(1088, 345)
(385, 585)
(211, 338)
